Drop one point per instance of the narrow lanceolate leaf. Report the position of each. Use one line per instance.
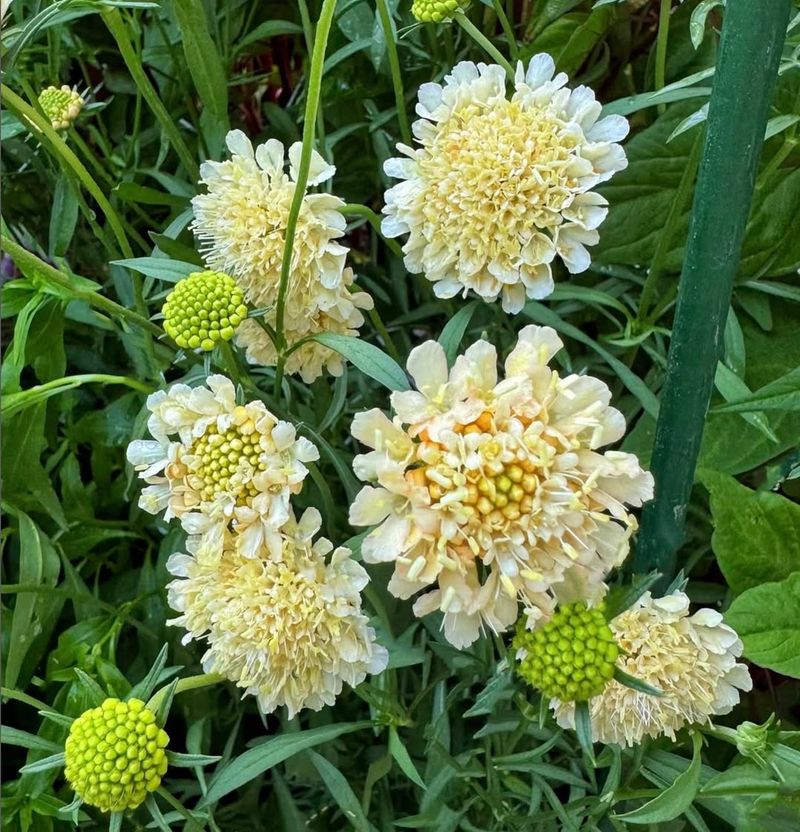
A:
(674, 800)
(368, 358)
(454, 330)
(342, 793)
(583, 729)
(53, 761)
(781, 394)
(752, 39)
(402, 758)
(635, 684)
(255, 761)
(14, 736)
(191, 760)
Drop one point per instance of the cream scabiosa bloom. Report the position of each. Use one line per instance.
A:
(691, 659)
(288, 629)
(498, 187)
(241, 223)
(212, 461)
(492, 492)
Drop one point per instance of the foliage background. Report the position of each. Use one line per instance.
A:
(454, 744)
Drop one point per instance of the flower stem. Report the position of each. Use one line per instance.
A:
(507, 28)
(312, 105)
(469, 27)
(750, 48)
(661, 47)
(201, 680)
(390, 34)
(353, 209)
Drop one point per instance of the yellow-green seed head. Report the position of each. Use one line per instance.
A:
(572, 657)
(203, 309)
(115, 755)
(61, 105)
(435, 11)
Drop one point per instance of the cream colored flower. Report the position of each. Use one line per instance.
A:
(241, 223)
(337, 310)
(691, 659)
(212, 461)
(492, 492)
(288, 629)
(497, 187)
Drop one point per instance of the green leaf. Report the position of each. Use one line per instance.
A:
(731, 387)
(45, 764)
(767, 619)
(781, 394)
(191, 760)
(756, 533)
(30, 574)
(14, 736)
(583, 730)
(454, 330)
(63, 216)
(269, 29)
(674, 800)
(170, 271)
(621, 598)
(203, 60)
(402, 758)
(635, 684)
(341, 792)
(255, 761)
(368, 358)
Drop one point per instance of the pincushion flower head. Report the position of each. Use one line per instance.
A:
(691, 659)
(488, 492)
(212, 461)
(497, 187)
(286, 627)
(62, 105)
(241, 223)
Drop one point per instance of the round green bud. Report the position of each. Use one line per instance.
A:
(103, 755)
(61, 105)
(203, 309)
(435, 11)
(571, 657)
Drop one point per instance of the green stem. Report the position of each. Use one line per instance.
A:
(312, 104)
(469, 27)
(116, 25)
(202, 680)
(352, 209)
(379, 325)
(507, 28)
(752, 39)
(661, 47)
(667, 234)
(308, 35)
(390, 34)
(26, 261)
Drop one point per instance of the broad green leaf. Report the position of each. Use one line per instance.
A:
(454, 330)
(203, 60)
(767, 619)
(674, 800)
(368, 358)
(255, 761)
(341, 792)
(756, 533)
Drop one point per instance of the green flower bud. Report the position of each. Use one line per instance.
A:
(572, 656)
(203, 309)
(115, 755)
(435, 11)
(756, 741)
(62, 106)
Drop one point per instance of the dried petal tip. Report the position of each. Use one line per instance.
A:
(571, 657)
(435, 11)
(203, 309)
(61, 105)
(115, 755)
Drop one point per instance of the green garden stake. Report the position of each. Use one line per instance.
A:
(752, 38)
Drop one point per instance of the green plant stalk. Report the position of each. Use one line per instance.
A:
(312, 105)
(116, 25)
(752, 39)
(469, 27)
(50, 275)
(507, 28)
(308, 36)
(353, 209)
(390, 34)
(661, 47)
(667, 234)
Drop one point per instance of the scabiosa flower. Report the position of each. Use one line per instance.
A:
(114, 755)
(691, 659)
(493, 492)
(62, 105)
(212, 461)
(203, 309)
(286, 627)
(241, 222)
(497, 187)
(435, 11)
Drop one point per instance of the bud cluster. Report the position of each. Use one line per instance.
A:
(61, 105)
(435, 11)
